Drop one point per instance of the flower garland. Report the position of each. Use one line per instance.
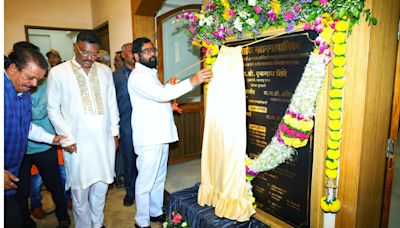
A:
(330, 202)
(331, 19)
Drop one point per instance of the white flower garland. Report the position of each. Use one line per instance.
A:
(303, 101)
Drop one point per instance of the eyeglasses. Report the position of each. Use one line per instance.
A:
(149, 50)
(87, 53)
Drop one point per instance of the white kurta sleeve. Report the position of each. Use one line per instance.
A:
(146, 86)
(113, 107)
(38, 134)
(54, 94)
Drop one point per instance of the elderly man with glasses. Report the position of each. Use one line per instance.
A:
(82, 106)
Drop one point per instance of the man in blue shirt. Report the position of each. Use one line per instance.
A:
(125, 110)
(44, 157)
(23, 68)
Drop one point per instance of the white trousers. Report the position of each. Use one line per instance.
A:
(88, 205)
(149, 191)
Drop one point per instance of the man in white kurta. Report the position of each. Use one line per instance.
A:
(153, 128)
(82, 106)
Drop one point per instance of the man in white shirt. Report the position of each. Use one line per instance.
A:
(82, 106)
(153, 128)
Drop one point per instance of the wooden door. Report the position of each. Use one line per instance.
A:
(392, 141)
(102, 30)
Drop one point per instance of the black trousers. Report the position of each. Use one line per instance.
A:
(12, 212)
(129, 158)
(47, 164)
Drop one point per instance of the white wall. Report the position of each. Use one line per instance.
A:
(75, 14)
(62, 41)
(118, 15)
(173, 4)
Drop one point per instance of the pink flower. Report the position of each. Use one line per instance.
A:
(257, 9)
(290, 132)
(302, 136)
(288, 16)
(322, 47)
(192, 29)
(195, 20)
(323, 2)
(318, 28)
(297, 9)
(231, 13)
(272, 16)
(318, 20)
(318, 40)
(307, 26)
(188, 15)
(176, 219)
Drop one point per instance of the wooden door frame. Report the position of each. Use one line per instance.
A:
(160, 20)
(393, 135)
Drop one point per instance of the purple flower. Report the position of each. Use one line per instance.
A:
(257, 9)
(230, 31)
(289, 27)
(239, 36)
(262, 18)
(210, 6)
(221, 35)
(256, 32)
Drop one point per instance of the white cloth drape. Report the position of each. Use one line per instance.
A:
(223, 177)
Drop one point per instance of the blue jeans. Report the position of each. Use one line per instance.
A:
(36, 186)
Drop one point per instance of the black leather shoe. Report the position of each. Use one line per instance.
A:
(137, 226)
(160, 218)
(128, 200)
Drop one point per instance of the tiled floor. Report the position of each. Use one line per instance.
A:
(181, 176)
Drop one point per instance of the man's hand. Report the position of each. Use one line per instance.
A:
(116, 141)
(172, 81)
(57, 139)
(201, 76)
(175, 108)
(9, 180)
(71, 148)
